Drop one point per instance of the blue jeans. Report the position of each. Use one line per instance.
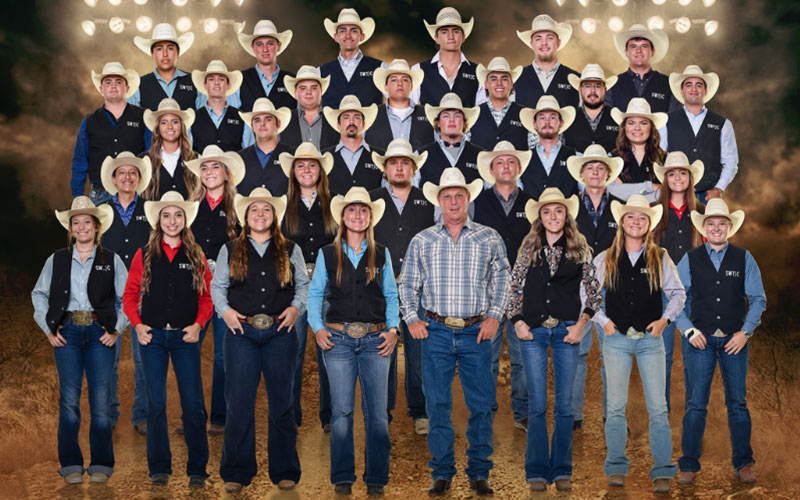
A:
(217, 416)
(618, 352)
(347, 359)
(669, 347)
(98, 195)
(733, 368)
(519, 385)
(247, 357)
(579, 385)
(301, 328)
(441, 352)
(164, 345)
(139, 408)
(541, 463)
(412, 352)
(83, 352)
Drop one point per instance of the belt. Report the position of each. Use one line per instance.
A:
(310, 269)
(634, 334)
(82, 318)
(455, 323)
(356, 329)
(719, 333)
(550, 322)
(260, 321)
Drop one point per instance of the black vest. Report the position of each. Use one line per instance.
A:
(380, 133)
(434, 87)
(631, 303)
(557, 296)
(355, 300)
(528, 88)
(677, 237)
(310, 234)
(261, 291)
(106, 139)
(172, 297)
(718, 297)
(580, 135)
(656, 92)
(359, 85)
(210, 228)
(512, 227)
(151, 92)
(704, 146)
(228, 136)
(600, 237)
(125, 240)
(252, 89)
(633, 171)
(270, 176)
(291, 136)
(174, 182)
(366, 174)
(438, 161)
(486, 133)
(395, 230)
(535, 178)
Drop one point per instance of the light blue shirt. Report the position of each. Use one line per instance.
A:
(247, 134)
(452, 154)
(548, 161)
(169, 89)
(401, 127)
(351, 157)
(349, 65)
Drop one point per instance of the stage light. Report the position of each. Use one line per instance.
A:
(683, 25)
(239, 27)
(239, 2)
(214, 3)
(709, 3)
(144, 24)
(615, 24)
(659, 2)
(620, 3)
(210, 25)
(88, 27)
(183, 23)
(711, 27)
(180, 3)
(589, 25)
(115, 2)
(91, 3)
(116, 25)
(684, 2)
(140, 2)
(655, 23)
(584, 2)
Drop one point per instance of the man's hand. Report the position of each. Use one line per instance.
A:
(523, 331)
(389, 342)
(574, 334)
(713, 193)
(488, 329)
(736, 343)
(698, 340)
(418, 329)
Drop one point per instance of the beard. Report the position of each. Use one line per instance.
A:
(400, 183)
(593, 105)
(548, 134)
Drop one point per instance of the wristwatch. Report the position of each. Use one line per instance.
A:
(747, 334)
(691, 332)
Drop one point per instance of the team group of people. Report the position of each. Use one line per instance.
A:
(440, 206)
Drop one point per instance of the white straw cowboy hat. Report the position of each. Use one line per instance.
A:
(305, 151)
(637, 203)
(357, 194)
(306, 73)
(716, 207)
(452, 177)
(217, 67)
(351, 17)
(83, 205)
(502, 148)
(380, 75)
(264, 27)
(230, 159)
(152, 209)
(449, 16)
(351, 103)
(638, 106)
(591, 72)
(165, 32)
(399, 148)
(497, 65)
(658, 38)
(547, 103)
(595, 152)
(451, 100)
(543, 22)
(241, 203)
(264, 106)
(678, 159)
(168, 106)
(676, 82)
(551, 195)
(116, 69)
(110, 165)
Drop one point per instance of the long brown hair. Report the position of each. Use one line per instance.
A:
(292, 217)
(152, 190)
(239, 252)
(691, 205)
(652, 150)
(71, 237)
(199, 191)
(338, 244)
(652, 254)
(576, 248)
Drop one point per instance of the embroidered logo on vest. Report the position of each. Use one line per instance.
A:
(521, 215)
(106, 267)
(564, 86)
(423, 203)
(422, 118)
(470, 165)
(563, 163)
(188, 88)
(233, 121)
(222, 213)
(712, 126)
(185, 266)
(732, 274)
(281, 89)
(141, 218)
(658, 95)
(132, 124)
(515, 123)
(612, 225)
(643, 270)
(614, 128)
(371, 166)
(467, 76)
(365, 73)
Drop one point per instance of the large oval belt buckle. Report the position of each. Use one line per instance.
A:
(82, 318)
(262, 321)
(634, 334)
(550, 322)
(718, 333)
(310, 269)
(455, 323)
(356, 330)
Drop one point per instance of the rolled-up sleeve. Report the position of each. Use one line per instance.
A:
(410, 288)
(390, 294)
(40, 296)
(499, 280)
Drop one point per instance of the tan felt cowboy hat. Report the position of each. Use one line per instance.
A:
(83, 205)
(351, 17)
(305, 151)
(217, 67)
(399, 148)
(380, 75)
(716, 207)
(165, 32)
(547, 103)
(658, 38)
(543, 22)
(497, 65)
(676, 82)
(678, 159)
(591, 72)
(264, 27)
(305, 73)
(451, 100)
(502, 148)
(230, 159)
(638, 106)
(357, 194)
(110, 165)
(264, 106)
(240, 204)
(152, 209)
(351, 103)
(449, 16)
(452, 177)
(595, 152)
(551, 195)
(637, 203)
(168, 106)
(116, 69)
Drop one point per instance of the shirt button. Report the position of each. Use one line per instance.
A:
(718, 317)
(547, 301)
(263, 290)
(262, 273)
(126, 240)
(399, 228)
(717, 282)
(310, 224)
(548, 284)
(717, 299)
(115, 140)
(126, 256)
(311, 239)
(680, 231)
(401, 259)
(263, 306)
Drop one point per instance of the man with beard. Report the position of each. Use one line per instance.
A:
(499, 118)
(262, 159)
(308, 124)
(265, 79)
(593, 123)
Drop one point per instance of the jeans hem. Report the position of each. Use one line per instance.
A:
(750, 463)
(612, 471)
(203, 474)
(69, 469)
(536, 479)
(105, 469)
(344, 479)
(376, 481)
(478, 477)
(560, 477)
(667, 472)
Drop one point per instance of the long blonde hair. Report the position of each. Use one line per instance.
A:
(292, 219)
(338, 244)
(152, 190)
(652, 254)
(239, 252)
(576, 249)
(199, 191)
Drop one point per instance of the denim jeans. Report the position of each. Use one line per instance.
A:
(618, 352)
(519, 384)
(733, 368)
(412, 352)
(541, 463)
(442, 351)
(248, 356)
(83, 352)
(301, 328)
(139, 408)
(669, 346)
(98, 195)
(217, 415)
(579, 385)
(347, 360)
(164, 345)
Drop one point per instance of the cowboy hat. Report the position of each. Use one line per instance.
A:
(678, 159)
(306, 73)
(116, 69)
(264, 27)
(264, 106)
(351, 17)
(399, 148)
(351, 103)
(551, 195)
(497, 65)
(637, 203)
(305, 151)
(591, 72)
(357, 194)
(502, 148)
(152, 209)
(716, 207)
(165, 32)
(451, 100)
(543, 22)
(111, 163)
(83, 205)
(452, 177)
(380, 75)
(638, 106)
(595, 152)
(676, 82)
(449, 16)
(547, 103)
(217, 67)
(230, 159)
(240, 204)
(168, 106)
(658, 39)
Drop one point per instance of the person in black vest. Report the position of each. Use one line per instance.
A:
(114, 127)
(167, 301)
(266, 78)
(260, 286)
(634, 272)
(593, 123)
(499, 118)
(169, 150)
(308, 123)
(546, 75)
(351, 72)
(217, 122)
(399, 118)
(74, 302)
(261, 160)
(357, 335)
(726, 301)
(166, 80)
(700, 133)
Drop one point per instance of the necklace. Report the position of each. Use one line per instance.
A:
(85, 251)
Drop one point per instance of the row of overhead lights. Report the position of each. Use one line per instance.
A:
(177, 3)
(145, 23)
(682, 24)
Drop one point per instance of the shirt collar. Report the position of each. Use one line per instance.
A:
(436, 58)
(176, 154)
(362, 145)
(115, 197)
(263, 76)
(178, 73)
(635, 255)
(76, 256)
(711, 251)
(350, 249)
(211, 110)
(636, 75)
(554, 149)
(468, 224)
(511, 198)
(539, 69)
(257, 244)
(692, 115)
(357, 58)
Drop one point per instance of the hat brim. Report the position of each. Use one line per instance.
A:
(234, 78)
(736, 218)
(482, 73)
(246, 41)
(367, 26)
(110, 165)
(562, 30)
(485, 159)
(241, 203)
(104, 213)
(369, 112)
(290, 82)
(152, 210)
(431, 190)
(381, 75)
(287, 161)
(230, 159)
(339, 203)
(465, 27)
(696, 168)
(130, 76)
(283, 115)
(532, 207)
(575, 165)
(380, 161)
(658, 38)
(151, 117)
(470, 114)
(528, 116)
(659, 120)
(618, 210)
(575, 81)
(183, 42)
(676, 81)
